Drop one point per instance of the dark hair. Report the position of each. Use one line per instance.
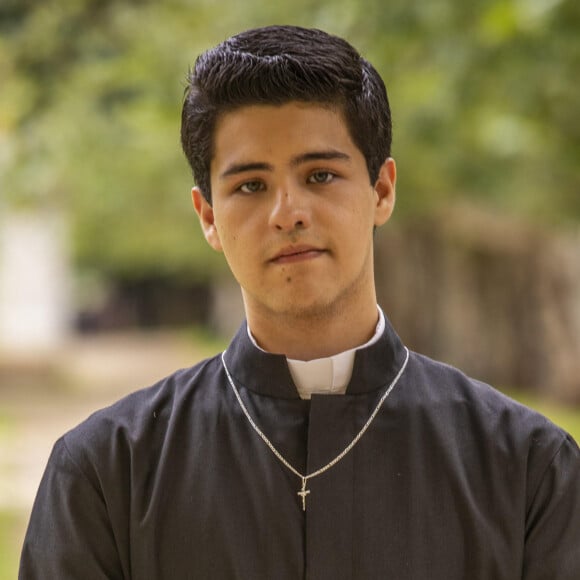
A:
(276, 65)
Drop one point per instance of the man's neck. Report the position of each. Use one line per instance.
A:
(313, 337)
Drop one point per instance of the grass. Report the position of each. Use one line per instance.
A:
(11, 528)
(6, 424)
(206, 342)
(11, 522)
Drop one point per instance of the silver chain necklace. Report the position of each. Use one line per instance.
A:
(304, 478)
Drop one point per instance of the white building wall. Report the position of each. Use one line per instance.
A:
(34, 282)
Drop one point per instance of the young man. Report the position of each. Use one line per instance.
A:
(317, 446)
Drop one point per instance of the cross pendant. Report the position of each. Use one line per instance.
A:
(303, 493)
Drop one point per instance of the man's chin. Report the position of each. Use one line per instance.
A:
(302, 309)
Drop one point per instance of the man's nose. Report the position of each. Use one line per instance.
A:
(290, 211)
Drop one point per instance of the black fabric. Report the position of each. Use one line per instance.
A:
(452, 481)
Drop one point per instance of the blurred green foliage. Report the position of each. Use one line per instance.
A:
(484, 95)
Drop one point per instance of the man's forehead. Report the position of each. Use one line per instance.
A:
(253, 133)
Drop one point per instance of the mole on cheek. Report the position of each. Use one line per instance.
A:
(289, 279)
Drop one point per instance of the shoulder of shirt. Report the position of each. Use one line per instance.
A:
(443, 386)
(470, 409)
(141, 414)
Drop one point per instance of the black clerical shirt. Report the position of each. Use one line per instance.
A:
(452, 481)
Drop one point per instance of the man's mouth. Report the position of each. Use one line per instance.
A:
(296, 253)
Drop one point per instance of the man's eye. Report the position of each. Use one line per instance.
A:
(321, 177)
(251, 187)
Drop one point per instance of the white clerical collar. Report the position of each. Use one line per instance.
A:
(329, 375)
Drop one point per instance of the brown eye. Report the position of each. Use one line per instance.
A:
(251, 186)
(321, 177)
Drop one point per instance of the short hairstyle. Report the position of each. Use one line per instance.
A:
(276, 65)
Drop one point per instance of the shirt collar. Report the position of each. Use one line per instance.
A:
(329, 375)
(373, 364)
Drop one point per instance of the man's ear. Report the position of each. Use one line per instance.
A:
(385, 191)
(206, 219)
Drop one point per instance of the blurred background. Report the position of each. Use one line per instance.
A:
(106, 283)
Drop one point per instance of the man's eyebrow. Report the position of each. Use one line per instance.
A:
(236, 168)
(328, 155)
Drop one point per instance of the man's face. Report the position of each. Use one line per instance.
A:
(293, 209)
